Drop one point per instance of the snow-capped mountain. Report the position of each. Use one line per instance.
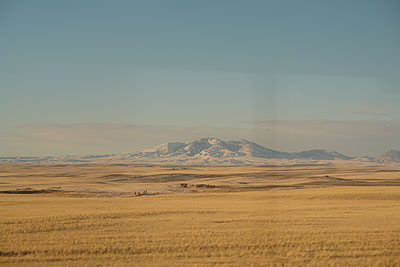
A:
(216, 151)
(211, 151)
(212, 147)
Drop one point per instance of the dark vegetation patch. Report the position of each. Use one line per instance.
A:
(29, 190)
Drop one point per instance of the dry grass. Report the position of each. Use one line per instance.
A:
(327, 226)
(123, 180)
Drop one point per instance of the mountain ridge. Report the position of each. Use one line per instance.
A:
(214, 147)
(211, 151)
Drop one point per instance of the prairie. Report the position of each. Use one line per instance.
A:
(254, 216)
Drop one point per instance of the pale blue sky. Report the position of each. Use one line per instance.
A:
(238, 67)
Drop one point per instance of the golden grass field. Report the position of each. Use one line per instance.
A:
(326, 215)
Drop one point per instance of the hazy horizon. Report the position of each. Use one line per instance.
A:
(184, 140)
(98, 77)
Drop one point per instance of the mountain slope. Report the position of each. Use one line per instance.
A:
(392, 155)
(318, 154)
(164, 149)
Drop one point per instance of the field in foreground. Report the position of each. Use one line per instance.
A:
(333, 224)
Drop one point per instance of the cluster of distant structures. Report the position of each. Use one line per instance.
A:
(141, 193)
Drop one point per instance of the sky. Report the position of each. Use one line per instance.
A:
(96, 77)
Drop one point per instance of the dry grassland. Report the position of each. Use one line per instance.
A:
(333, 216)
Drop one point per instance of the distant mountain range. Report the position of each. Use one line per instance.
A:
(211, 151)
(216, 149)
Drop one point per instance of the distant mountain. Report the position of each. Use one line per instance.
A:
(208, 148)
(392, 155)
(317, 154)
(211, 151)
(216, 151)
